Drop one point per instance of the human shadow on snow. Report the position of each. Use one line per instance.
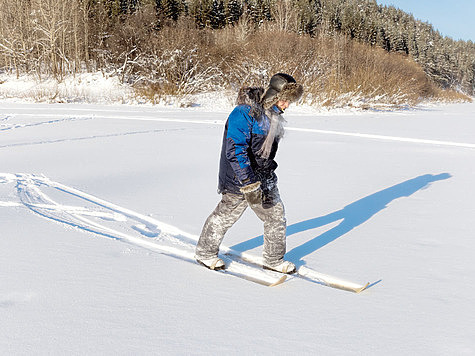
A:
(351, 215)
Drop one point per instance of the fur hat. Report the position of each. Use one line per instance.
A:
(281, 87)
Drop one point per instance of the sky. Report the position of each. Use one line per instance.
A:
(451, 18)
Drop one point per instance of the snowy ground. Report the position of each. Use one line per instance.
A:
(363, 203)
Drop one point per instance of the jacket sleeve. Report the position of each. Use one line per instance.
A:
(237, 144)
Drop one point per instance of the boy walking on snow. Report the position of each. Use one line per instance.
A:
(246, 172)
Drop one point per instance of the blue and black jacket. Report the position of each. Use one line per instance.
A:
(244, 134)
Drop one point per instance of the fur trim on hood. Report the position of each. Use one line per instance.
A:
(251, 96)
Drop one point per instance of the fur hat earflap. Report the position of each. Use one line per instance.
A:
(281, 87)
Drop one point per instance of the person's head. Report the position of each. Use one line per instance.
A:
(282, 104)
(282, 91)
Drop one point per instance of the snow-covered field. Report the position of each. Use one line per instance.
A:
(370, 197)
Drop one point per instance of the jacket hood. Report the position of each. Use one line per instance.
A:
(249, 96)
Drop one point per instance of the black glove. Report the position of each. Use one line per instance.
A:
(252, 193)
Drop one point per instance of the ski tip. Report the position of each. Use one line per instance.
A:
(367, 286)
(359, 290)
(280, 281)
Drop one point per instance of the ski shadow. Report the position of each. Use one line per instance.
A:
(351, 215)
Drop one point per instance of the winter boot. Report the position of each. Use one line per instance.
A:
(283, 267)
(214, 263)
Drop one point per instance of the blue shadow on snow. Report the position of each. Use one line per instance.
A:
(351, 215)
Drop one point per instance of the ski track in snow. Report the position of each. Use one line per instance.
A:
(116, 115)
(153, 234)
(9, 204)
(32, 196)
(4, 127)
(30, 190)
(123, 224)
(92, 137)
(386, 138)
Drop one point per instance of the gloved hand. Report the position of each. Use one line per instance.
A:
(252, 193)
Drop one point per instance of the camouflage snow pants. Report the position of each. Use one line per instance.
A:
(229, 210)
